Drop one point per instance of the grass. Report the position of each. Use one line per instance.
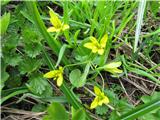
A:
(126, 73)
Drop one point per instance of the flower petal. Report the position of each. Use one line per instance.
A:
(60, 80)
(94, 40)
(65, 27)
(89, 45)
(103, 41)
(100, 51)
(53, 29)
(50, 74)
(94, 49)
(114, 70)
(112, 65)
(61, 69)
(94, 104)
(106, 100)
(97, 91)
(54, 19)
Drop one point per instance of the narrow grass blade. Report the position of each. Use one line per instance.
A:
(141, 9)
(141, 110)
(21, 91)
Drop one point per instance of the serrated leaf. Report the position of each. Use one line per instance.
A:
(32, 50)
(29, 65)
(4, 22)
(12, 59)
(101, 110)
(10, 41)
(56, 112)
(39, 86)
(30, 36)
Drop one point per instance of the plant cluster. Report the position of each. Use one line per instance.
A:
(72, 59)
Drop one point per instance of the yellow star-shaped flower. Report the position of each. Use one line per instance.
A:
(113, 67)
(56, 22)
(99, 99)
(56, 75)
(95, 46)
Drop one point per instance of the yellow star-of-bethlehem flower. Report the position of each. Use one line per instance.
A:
(56, 22)
(99, 99)
(113, 67)
(56, 75)
(95, 46)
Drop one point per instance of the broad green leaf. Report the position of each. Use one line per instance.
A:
(32, 50)
(74, 77)
(39, 86)
(78, 114)
(56, 112)
(12, 58)
(78, 79)
(4, 22)
(101, 110)
(149, 98)
(29, 65)
(10, 41)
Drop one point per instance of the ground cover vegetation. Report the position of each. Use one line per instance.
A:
(80, 60)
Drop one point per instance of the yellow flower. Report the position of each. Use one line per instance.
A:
(99, 99)
(56, 75)
(95, 46)
(56, 22)
(113, 67)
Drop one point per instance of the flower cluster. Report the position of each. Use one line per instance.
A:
(56, 22)
(96, 47)
(99, 99)
(56, 75)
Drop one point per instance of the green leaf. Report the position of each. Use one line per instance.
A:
(4, 22)
(30, 36)
(29, 65)
(12, 94)
(154, 5)
(10, 41)
(74, 77)
(32, 50)
(12, 58)
(61, 53)
(56, 112)
(78, 79)
(101, 110)
(4, 75)
(141, 110)
(84, 75)
(149, 98)
(39, 108)
(39, 86)
(4, 2)
(78, 114)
